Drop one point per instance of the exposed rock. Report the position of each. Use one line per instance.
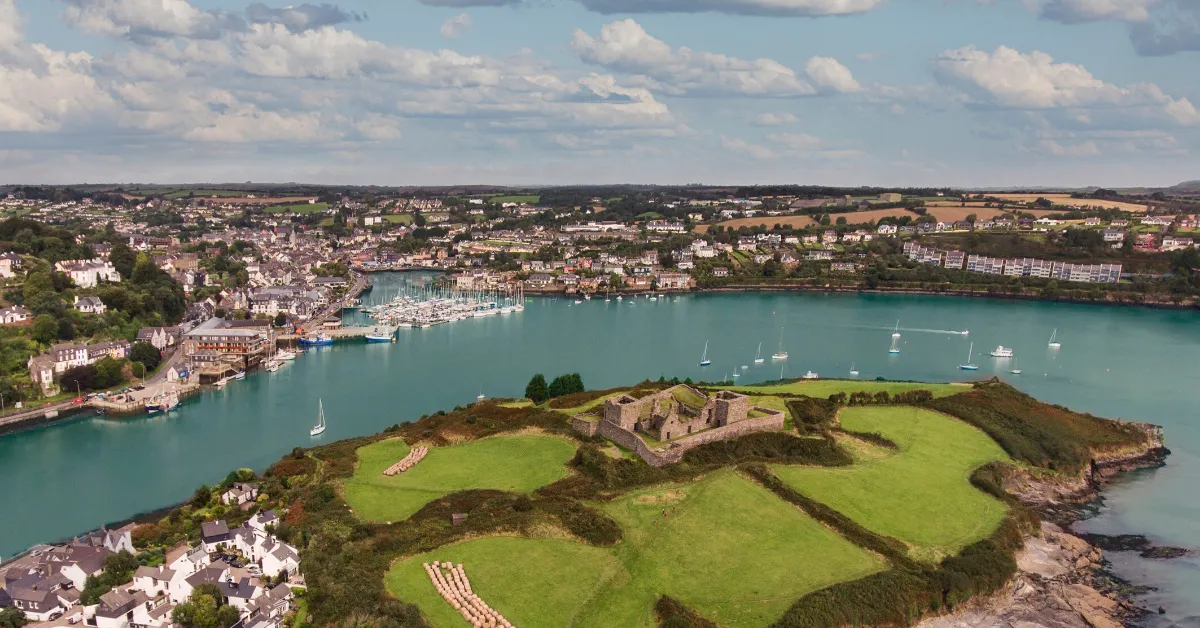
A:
(1052, 589)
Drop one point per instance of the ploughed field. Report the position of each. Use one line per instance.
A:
(718, 541)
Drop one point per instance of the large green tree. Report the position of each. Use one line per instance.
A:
(536, 390)
(12, 617)
(146, 353)
(123, 259)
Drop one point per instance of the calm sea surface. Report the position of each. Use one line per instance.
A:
(1137, 364)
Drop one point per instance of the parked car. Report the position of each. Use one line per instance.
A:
(77, 401)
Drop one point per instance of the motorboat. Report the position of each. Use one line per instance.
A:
(1002, 352)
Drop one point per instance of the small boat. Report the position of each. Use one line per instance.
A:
(239, 375)
(895, 339)
(320, 426)
(285, 355)
(781, 354)
(272, 366)
(620, 298)
(577, 301)
(1053, 343)
(758, 359)
(220, 383)
(1015, 370)
(316, 340)
(704, 361)
(745, 367)
(1002, 352)
(969, 366)
(736, 374)
(162, 403)
(853, 371)
(811, 375)
(480, 396)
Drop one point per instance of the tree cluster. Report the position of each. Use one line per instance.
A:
(568, 384)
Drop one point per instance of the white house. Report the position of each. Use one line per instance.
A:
(88, 273)
(90, 305)
(214, 535)
(9, 264)
(239, 494)
(282, 558)
(14, 314)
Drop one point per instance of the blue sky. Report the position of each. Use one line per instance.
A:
(843, 92)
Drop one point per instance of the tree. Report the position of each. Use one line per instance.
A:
(536, 390)
(201, 497)
(108, 372)
(12, 617)
(78, 378)
(66, 331)
(841, 220)
(123, 259)
(147, 354)
(280, 319)
(45, 329)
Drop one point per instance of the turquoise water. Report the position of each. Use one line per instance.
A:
(1137, 364)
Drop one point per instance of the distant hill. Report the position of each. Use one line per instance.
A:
(1187, 187)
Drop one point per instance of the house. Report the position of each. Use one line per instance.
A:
(38, 596)
(829, 237)
(116, 608)
(111, 540)
(153, 581)
(1116, 236)
(673, 281)
(10, 263)
(720, 271)
(214, 535)
(90, 305)
(88, 273)
(14, 314)
(886, 229)
(187, 560)
(239, 494)
(283, 558)
(78, 562)
(539, 280)
(262, 519)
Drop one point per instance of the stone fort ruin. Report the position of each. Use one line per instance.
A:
(676, 420)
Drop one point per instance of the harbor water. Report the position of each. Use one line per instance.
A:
(1137, 364)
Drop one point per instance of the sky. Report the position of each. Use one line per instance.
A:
(970, 93)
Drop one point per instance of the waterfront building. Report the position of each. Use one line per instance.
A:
(218, 335)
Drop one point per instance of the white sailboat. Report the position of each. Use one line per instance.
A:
(1053, 343)
(895, 339)
(758, 359)
(781, 354)
(969, 366)
(853, 371)
(319, 428)
(704, 361)
(480, 396)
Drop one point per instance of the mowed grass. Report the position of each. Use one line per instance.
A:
(518, 463)
(516, 198)
(921, 494)
(825, 387)
(532, 582)
(404, 219)
(302, 208)
(727, 547)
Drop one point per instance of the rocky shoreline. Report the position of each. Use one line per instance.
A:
(1062, 579)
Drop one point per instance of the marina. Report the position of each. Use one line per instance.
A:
(252, 423)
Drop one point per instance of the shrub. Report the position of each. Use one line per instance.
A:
(674, 614)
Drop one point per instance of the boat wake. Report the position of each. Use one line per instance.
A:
(947, 332)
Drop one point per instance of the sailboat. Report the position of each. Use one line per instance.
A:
(704, 361)
(781, 354)
(1015, 370)
(853, 371)
(895, 339)
(758, 359)
(480, 396)
(319, 428)
(969, 366)
(1053, 344)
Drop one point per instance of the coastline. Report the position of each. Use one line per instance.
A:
(1063, 580)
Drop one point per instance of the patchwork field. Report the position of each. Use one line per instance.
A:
(725, 546)
(921, 494)
(1065, 199)
(518, 463)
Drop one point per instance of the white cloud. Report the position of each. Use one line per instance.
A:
(774, 119)
(800, 8)
(456, 25)
(739, 145)
(1174, 27)
(810, 147)
(624, 46)
(1075, 11)
(830, 75)
(1008, 78)
(144, 18)
(796, 141)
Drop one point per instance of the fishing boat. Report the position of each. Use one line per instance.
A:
(758, 359)
(320, 426)
(379, 335)
(895, 348)
(853, 371)
(162, 403)
(1002, 352)
(969, 366)
(1015, 370)
(316, 340)
(704, 361)
(780, 354)
(1054, 344)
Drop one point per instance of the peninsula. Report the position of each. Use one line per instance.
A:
(792, 503)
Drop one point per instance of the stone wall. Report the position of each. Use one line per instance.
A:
(674, 452)
(624, 410)
(731, 407)
(586, 426)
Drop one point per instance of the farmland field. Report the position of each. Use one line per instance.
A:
(516, 198)
(518, 463)
(303, 208)
(920, 494)
(696, 542)
(404, 219)
(199, 193)
(954, 213)
(801, 222)
(1065, 199)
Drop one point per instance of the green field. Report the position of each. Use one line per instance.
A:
(825, 387)
(519, 463)
(727, 547)
(516, 198)
(921, 494)
(199, 193)
(532, 582)
(404, 219)
(300, 208)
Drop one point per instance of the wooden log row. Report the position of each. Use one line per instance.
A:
(414, 456)
(455, 588)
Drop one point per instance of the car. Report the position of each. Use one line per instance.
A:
(55, 615)
(236, 563)
(77, 401)
(140, 387)
(254, 569)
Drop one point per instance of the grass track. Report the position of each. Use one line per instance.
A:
(921, 495)
(519, 463)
